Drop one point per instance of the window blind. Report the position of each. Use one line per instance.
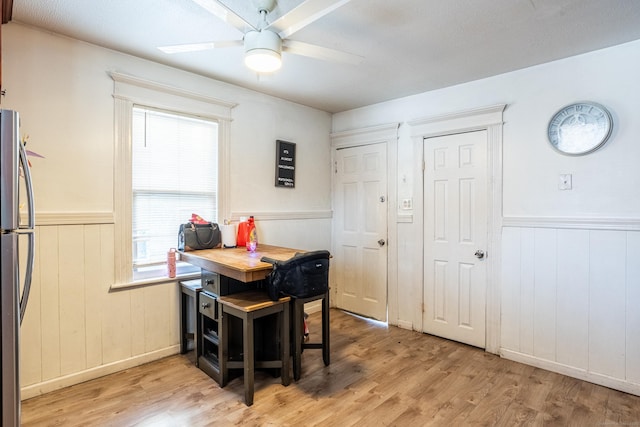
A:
(174, 174)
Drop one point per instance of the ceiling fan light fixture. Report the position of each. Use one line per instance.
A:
(263, 60)
(263, 51)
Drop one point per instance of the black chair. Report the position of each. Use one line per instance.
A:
(304, 278)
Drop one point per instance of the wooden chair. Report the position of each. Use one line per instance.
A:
(249, 306)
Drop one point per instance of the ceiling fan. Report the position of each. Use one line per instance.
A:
(264, 43)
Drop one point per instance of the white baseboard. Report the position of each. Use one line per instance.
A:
(97, 372)
(581, 374)
(405, 325)
(313, 307)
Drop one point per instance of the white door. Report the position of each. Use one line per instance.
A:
(360, 256)
(455, 236)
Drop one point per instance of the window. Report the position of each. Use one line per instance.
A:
(171, 160)
(174, 171)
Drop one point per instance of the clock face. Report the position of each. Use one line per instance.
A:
(579, 128)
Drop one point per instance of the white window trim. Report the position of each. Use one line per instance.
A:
(129, 91)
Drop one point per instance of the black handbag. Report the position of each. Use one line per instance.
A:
(304, 275)
(192, 237)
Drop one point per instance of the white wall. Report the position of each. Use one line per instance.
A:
(75, 327)
(604, 199)
(605, 182)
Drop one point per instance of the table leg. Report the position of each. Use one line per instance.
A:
(197, 333)
(223, 349)
(183, 323)
(248, 359)
(325, 330)
(284, 339)
(298, 309)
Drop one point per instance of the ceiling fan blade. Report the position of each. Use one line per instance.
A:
(319, 52)
(194, 47)
(303, 15)
(227, 15)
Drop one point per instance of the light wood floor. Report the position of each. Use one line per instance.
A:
(379, 376)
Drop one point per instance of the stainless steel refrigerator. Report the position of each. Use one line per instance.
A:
(16, 184)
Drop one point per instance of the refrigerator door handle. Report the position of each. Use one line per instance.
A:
(29, 229)
(28, 273)
(31, 221)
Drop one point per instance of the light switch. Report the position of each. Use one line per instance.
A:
(564, 182)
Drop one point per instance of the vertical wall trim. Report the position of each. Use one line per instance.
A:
(494, 249)
(418, 226)
(224, 170)
(392, 227)
(122, 188)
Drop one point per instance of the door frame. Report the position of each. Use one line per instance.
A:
(387, 134)
(489, 119)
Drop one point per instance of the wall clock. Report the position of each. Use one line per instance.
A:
(579, 128)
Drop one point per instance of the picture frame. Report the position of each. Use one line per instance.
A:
(285, 164)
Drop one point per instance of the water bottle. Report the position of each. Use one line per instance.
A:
(171, 263)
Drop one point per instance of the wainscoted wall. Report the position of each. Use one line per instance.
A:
(79, 326)
(571, 298)
(75, 328)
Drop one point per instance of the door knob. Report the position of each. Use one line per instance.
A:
(479, 254)
(381, 242)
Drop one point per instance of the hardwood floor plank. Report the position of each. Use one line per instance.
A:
(622, 409)
(379, 376)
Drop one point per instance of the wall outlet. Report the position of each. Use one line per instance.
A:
(407, 204)
(564, 181)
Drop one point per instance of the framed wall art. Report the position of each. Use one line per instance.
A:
(285, 164)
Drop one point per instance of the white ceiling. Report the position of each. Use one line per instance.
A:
(409, 46)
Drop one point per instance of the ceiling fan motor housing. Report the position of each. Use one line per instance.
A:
(264, 39)
(262, 51)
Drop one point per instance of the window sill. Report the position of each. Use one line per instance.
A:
(152, 282)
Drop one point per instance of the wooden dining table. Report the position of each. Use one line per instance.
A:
(238, 263)
(226, 272)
